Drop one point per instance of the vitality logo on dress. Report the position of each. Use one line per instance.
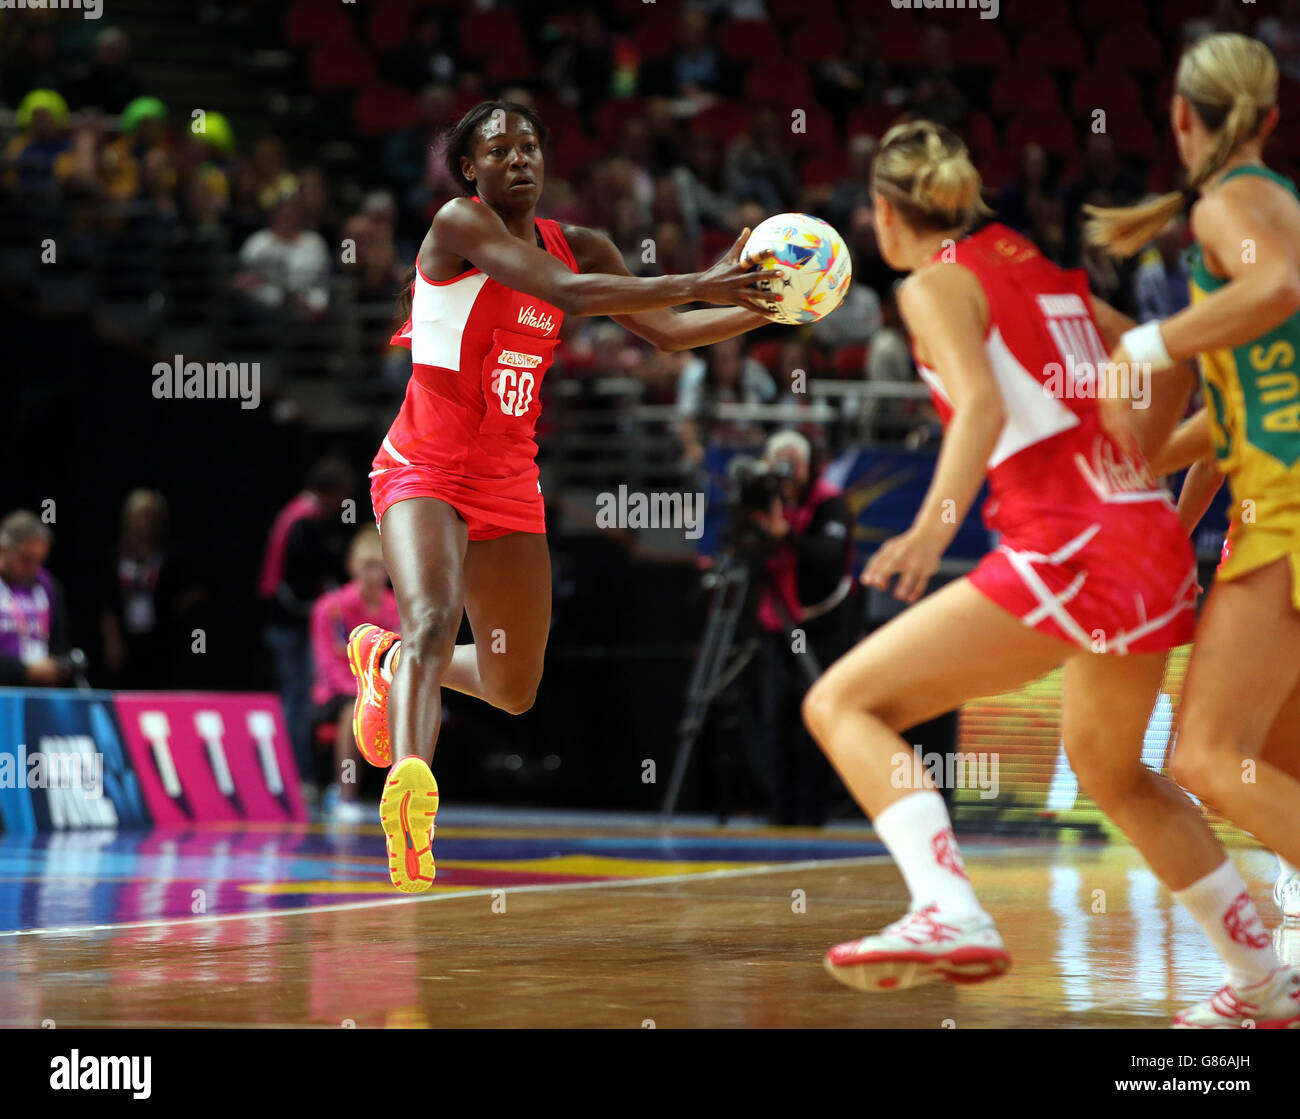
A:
(528, 316)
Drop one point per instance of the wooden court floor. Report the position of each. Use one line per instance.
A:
(1095, 942)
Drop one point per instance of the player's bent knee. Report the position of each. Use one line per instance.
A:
(429, 633)
(516, 702)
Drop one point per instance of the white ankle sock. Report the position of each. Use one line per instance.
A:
(1284, 868)
(1222, 906)
(918, 833)
(386, 661)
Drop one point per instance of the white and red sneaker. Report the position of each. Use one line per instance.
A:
(923, 947)
(1273, 1004)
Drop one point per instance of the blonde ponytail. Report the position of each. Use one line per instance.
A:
(1231, 82)
(924, 169)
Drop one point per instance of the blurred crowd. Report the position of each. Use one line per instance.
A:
(644, 146)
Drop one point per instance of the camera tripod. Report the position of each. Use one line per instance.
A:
(717, 664)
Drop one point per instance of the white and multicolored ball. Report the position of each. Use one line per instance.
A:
(815, 260)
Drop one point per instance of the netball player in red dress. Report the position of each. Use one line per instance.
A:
(455, 485)
(1093, 571)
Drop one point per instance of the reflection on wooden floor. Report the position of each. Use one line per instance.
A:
(713, 939)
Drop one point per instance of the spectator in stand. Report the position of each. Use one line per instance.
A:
(581, 65)
(935, 94)
(726, 376)
(108, 82)
(313, 194)
(428, 55)
(142, 144)
(272, 179)
(365, 598)
(285, 267)
(33, 611)
(1105, 181)
(889, 361)
(413, 156)
(855, 320)
(35, 65)
(1162, 277)
(304, 559)
(760, 163)
(145, 599)
(698, 70)
(856, 78)
(701, 189)
(42, 120)
(376, 266)
(1281, 33)
(854, 189)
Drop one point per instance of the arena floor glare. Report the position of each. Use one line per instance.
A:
(572, 926)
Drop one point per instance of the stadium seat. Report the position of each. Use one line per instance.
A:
(980, 133)
(899, 43)
(980, 46)
(613, 114)
(389, 24)
(384, 107)
(1015, 89)
(312, 22)
(1036, 13)
(818, 41)
(1053, 131)
(1131, 48)
(767, 352)
(872, 120)
(751, 40)
(794, 88)
(722, 121)
(1112, 90)
(849, 361)
(1057, 47)
(340, 64)
(491, 33)
(1135, 137)
(819, 134)
(654, 37)
(823, 168)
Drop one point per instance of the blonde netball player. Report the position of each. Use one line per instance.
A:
(1238, 742)
(1093, 572)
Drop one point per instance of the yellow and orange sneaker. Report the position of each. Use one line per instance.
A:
(406, 811)
(366, 648)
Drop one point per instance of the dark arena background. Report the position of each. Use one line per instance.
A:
(207, 214)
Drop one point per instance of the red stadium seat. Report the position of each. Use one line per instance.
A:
(491, 33)
(1098, 19)
(1053, 131)
(570, 153)
(816, 42)
(722, 121)
(850, 361)
(514, 65)
(312, 22)
(1015, 89)
(389, 24)
(340, 64)
(767, 353)
(384, 107)
(613, 114)
(823, 168)
(980, 133)
(997, 168)
(1131, 48)
(1057, 47)
(900, 42)
(750, 40)
(1165, 169)
(655, 37)
(793, 87)
(1175, 13)
(1135, 137)
(980, 46)
(1035, 13)
(1112, 90)
(871, 120)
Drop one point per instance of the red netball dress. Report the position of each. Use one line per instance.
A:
(465, 432)
(1091, 548)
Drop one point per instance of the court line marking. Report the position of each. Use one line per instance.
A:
(484, 891)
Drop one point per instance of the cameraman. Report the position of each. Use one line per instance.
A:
(33, 616)
(807, 614)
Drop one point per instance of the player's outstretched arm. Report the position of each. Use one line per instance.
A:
(476, 233)
(664, 328)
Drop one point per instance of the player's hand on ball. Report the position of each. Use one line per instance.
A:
(732, 281)
(913, 557)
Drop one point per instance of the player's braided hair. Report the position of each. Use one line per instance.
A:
(1230, 81)
(924, 169)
